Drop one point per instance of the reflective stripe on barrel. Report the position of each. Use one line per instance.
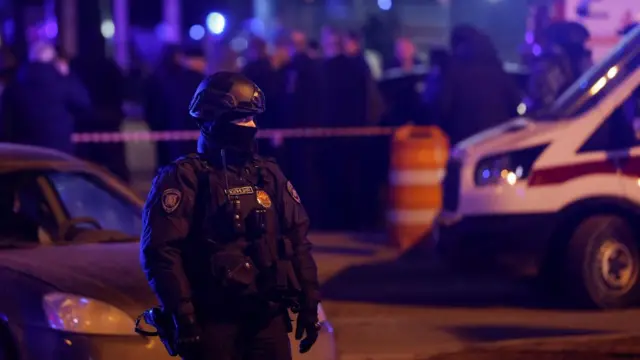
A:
(418, 159)
(416, 177)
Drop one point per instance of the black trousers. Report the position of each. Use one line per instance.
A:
(247, 339)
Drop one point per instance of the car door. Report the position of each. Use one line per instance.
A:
(630, 164)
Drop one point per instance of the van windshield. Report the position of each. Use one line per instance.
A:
(598, 81)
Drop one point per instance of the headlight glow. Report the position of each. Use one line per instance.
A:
(77, 314)
(507, 168)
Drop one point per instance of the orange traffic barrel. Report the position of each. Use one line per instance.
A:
(418, 164)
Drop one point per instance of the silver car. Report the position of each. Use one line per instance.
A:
(69, 263)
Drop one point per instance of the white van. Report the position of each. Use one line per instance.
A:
(557, 196)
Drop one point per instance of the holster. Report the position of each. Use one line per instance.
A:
(165, 328)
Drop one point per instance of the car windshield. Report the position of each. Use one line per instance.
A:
(597, 82)
(84, 196)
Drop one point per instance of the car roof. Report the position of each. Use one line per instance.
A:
(17, 152)
(18, 157)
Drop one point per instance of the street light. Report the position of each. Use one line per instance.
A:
(108, 29)
(216, 23)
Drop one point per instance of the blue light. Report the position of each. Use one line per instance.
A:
(196, 32)
(161, 31)
(385, 4)
(256, 26)
(486, 173)
(216, 23)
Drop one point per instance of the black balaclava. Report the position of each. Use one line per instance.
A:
(238, 141)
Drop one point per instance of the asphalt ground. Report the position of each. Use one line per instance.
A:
(389, 306)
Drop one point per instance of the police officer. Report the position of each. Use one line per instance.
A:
(224, 242)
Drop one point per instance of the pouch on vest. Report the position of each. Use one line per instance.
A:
(236, 271)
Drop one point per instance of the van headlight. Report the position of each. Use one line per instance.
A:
(506, 168)
(77, 314)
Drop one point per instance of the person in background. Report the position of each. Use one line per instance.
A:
(302, 108)
(474, 92)
(106, 86)
(352, 43)
(299, 41)
(353, 101)
(362, 63)
(314, 49)
(404, 84)
(303, 82)
(562, 60)
(260, 69)
(167, 95)
(45, 101)
(405, 55)
(8, 67)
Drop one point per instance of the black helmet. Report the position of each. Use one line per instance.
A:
(226, 96)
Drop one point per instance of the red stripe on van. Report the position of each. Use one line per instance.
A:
(560, 174)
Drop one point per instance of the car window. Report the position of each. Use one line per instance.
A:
(621, 129)
(83, 195)
(24, 213)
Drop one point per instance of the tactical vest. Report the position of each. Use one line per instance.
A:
(241, 229)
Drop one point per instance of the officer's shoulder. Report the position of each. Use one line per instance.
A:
(269, 162)
(192, 162)
(187, 165)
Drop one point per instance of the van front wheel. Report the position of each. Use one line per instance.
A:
(603, 263)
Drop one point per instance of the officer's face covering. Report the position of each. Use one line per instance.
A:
(237, 135)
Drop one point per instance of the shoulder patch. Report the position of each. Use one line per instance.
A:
(292, 191)
(171, 199)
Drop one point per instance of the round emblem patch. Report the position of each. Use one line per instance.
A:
(293, 192)
(263, 199)
(171, 200)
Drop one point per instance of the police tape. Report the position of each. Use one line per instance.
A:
(190, 135)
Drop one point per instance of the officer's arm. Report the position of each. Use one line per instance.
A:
(295, 228)
(166, 222)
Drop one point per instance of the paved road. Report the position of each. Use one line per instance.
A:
(388, 308)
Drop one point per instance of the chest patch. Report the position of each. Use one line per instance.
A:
(171, 200)
(263, 199)
(245, 190)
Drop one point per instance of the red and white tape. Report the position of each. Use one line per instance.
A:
(188, 135)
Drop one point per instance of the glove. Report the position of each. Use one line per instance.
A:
(187, 336)
(307, 323)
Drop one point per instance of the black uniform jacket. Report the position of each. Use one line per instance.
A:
(172, 252)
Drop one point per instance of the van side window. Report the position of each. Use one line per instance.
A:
(621, 130)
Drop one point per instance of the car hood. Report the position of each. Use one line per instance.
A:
(512, 135)
(109, 272)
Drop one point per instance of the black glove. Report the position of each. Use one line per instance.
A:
(187, 335)
(307, 323)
